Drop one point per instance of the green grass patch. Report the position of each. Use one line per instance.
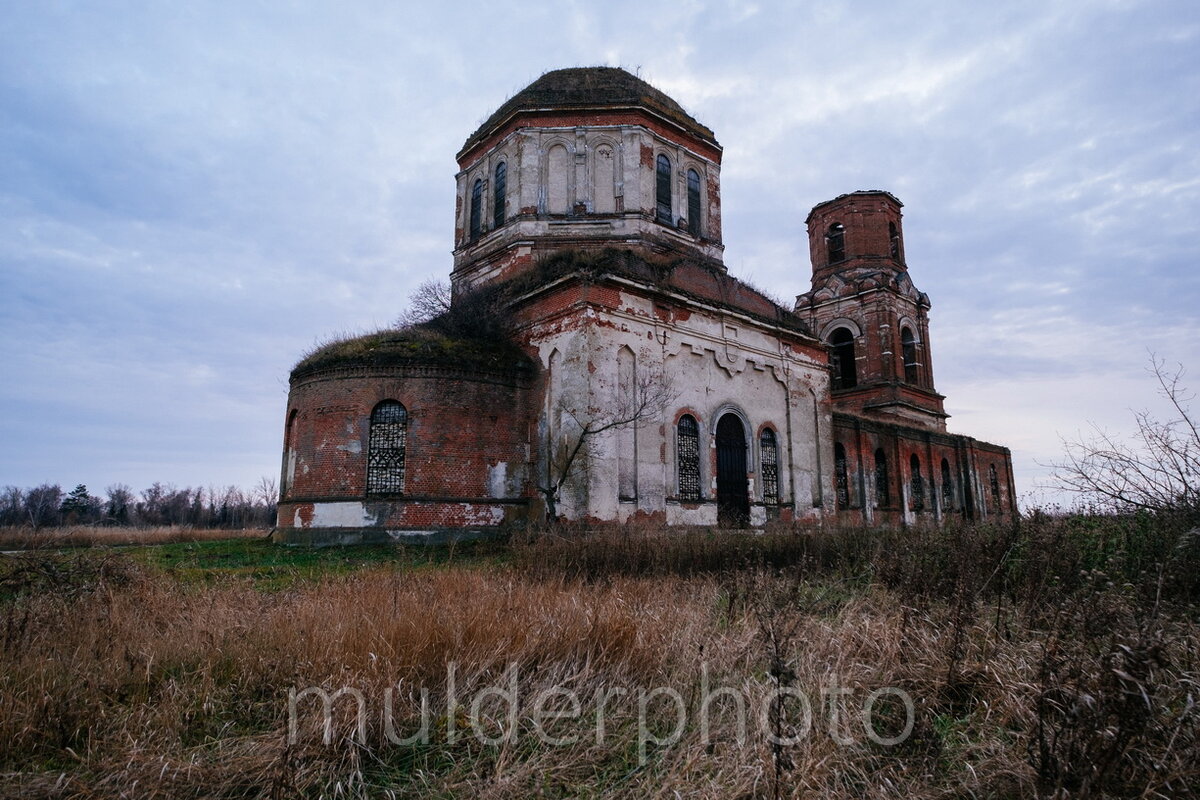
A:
(272, 566)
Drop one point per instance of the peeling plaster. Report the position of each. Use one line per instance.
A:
(338, 515)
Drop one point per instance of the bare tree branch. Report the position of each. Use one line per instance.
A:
(1157, 469)
(647, 399)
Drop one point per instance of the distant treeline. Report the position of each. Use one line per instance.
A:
(49, 506)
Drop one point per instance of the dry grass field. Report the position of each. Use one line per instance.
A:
(1060, 658)
(25, 538)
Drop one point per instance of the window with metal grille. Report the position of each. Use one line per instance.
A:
(663, 190)
(769, 456)
(841, 359)
(908, 347)
(994, 482)
(476, 208)
(883, 488)
(947, 486)
(840, 475)
(917, 484)
(385, 450)
(687, 443)
(499, 187)
(835, 242)
(894, 238)
(693, 211)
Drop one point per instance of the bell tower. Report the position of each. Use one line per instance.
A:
(864, 306)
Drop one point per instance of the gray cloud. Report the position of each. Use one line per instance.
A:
(190, 195)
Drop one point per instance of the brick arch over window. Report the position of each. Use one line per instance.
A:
(387, 443)
(687, 457)
(841, 322)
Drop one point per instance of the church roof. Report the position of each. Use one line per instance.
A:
(864, 193)
(705, 283)
(417, 345)
(588, 88)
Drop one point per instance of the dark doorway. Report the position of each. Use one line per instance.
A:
(733, 497)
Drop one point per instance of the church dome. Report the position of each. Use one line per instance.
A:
(582, 88)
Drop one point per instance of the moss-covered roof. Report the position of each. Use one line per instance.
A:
(586, 88)
(703, 282)
(416, 346)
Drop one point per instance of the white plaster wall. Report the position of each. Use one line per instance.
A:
(712, 363)
(531, 183)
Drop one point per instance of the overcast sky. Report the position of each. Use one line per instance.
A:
(192, 194)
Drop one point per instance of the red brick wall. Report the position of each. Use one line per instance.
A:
(460, 422)
(865, 217)
(969, 461)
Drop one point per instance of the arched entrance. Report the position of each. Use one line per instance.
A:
(733, 496)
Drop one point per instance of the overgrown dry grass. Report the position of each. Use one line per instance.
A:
(1025, 680)
(26, 538)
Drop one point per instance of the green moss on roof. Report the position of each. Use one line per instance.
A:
(706, 282)
(415, 345)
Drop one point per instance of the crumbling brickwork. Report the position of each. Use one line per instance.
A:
(573, 206)
(450, 479)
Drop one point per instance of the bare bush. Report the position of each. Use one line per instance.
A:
(568, 445)
(477, 313)
(1157, 469)
(130, 683)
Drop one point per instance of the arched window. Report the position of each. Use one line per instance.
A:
(605, 201)
(994, 483)
(693, 211)
(947, 486)
(841, 478)
(558, 180)
(835, 242)
(883, 487)
(663, 190)
(385, 449)
(687, 444)
(476, 208)
(769, 462)
(894, 239)
(841, 359)
(917, 484)
(499, 188)
(908, 347)
(289, 454)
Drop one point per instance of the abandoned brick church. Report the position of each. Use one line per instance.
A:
(637, 378)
